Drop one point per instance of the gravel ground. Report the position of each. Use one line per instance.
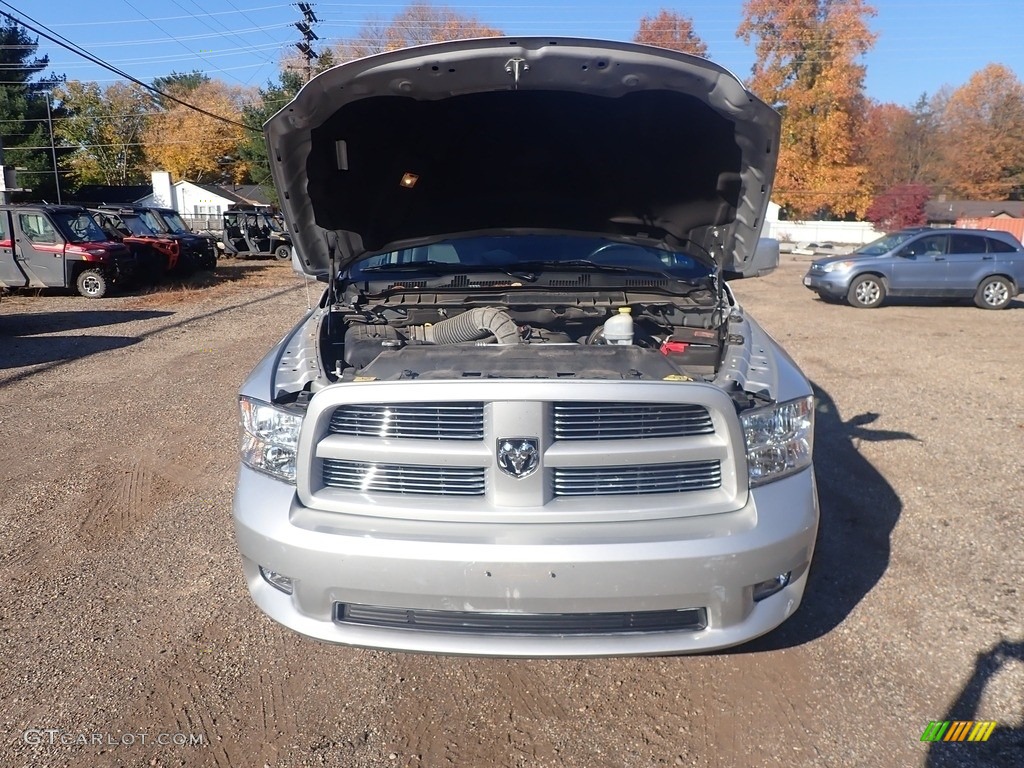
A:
(126, 623)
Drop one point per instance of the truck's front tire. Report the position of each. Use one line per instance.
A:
(92, 283)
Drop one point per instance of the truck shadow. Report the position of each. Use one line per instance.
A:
(31, 323)
(35, 350)
(859, 510)
(49, 352)
(20, 345)
(1005, 747)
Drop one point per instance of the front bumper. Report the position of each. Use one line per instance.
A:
(709, 562)
(834, 284)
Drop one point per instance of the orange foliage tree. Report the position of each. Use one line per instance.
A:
(983, 135)
(418, 24)
(670, 30)
(902, 146)
(194, 146)
(808, 67)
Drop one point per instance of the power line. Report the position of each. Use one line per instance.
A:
(232, 33)
(198, 55)
(111, 116)
(107, 22)
(63, 42)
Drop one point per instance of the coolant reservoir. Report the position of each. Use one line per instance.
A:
(618, 329)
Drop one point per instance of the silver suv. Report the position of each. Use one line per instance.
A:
(982, 264)
(528, 417)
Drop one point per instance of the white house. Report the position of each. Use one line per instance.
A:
(202, 201)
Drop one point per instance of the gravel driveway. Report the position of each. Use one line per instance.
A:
(126, 628)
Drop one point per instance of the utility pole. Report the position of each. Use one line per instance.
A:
(53, 148)
(5, 195)
(306, 28)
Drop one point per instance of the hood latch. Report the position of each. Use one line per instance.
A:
(516, 67)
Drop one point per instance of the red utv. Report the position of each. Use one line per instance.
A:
(60, 246)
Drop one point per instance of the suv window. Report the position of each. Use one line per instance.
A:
(966, 244)
(931, 244)
(37, 228)
(999, 246)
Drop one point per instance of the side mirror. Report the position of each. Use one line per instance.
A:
(764, 261)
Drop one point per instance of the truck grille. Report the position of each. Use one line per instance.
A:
(410, 421)
(403, 478)
(524, 450)
(621, 481)
(486, 623)
(629, 421)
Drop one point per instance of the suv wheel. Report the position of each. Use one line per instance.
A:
(92, 284)
(866, 292)
(283, 253)
(993, 293)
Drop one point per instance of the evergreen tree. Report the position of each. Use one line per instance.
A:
(23, 122)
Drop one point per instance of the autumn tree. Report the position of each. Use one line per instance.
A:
(899, 207)
(178, 84)
(902, 146)
(418, 24)
(983, 135)
(670, 30)
(808, 67)
(105, 128)
(195, 146)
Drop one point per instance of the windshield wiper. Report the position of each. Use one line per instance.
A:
(446, 267)
(576, 265)
(411, 265)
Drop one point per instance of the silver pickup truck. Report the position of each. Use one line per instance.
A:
(528, 416)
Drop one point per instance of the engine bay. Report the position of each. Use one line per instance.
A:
(611, 337)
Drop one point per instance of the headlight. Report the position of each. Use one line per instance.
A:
(838, 266)
(779, 439)
(269, 438)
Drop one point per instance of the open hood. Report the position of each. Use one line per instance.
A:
(519, 135)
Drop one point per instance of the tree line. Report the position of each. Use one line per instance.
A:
(842, 155)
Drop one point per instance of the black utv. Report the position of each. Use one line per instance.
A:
(195, 251)
(60, 246)
(253, 231)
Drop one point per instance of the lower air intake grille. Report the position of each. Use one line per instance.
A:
(479, 623)
(403, 478)
(629, 480)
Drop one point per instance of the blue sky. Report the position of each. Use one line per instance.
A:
(921, 46)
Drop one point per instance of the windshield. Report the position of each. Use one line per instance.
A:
(885, 244)
(175, 224)
(79, 228)
(532, 253)
(137, 225)
(149, 220)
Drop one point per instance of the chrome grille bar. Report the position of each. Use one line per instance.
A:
(410, 421)
(496, 623)
(630, 480)
(367, 477)
(629, 421)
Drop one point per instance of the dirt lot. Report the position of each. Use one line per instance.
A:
(125, 616)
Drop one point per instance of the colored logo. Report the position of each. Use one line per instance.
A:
(959, 730)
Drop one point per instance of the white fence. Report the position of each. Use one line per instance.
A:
(843, 232)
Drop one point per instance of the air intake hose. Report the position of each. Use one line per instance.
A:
(473, 325)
